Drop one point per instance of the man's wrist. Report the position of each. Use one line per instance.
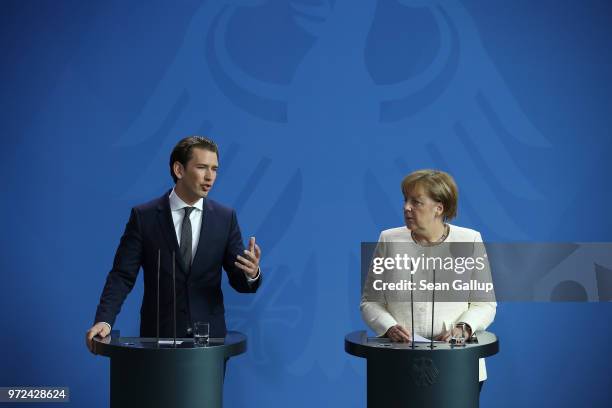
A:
(253, 278)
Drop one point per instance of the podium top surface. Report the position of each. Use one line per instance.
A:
(232, 344)
(360, 345)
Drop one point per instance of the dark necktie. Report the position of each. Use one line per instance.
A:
(186, 240)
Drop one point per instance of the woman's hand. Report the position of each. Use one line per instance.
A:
(454, 332)
(398, 334)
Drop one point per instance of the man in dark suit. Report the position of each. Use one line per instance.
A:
(199, 234)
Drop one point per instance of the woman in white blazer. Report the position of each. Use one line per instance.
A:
(430, 201)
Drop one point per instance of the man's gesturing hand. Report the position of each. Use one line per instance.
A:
(98, 329)
(249, 263)
(398, 334)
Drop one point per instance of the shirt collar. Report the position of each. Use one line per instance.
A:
(177, 204)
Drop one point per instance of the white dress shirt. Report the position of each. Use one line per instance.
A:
(178, 213)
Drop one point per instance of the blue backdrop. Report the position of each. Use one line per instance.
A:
(319, 108)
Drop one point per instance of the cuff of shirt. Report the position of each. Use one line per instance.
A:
(109, 326)
(251, 280)
(469, 326)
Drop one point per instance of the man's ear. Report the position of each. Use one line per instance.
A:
(178, 169)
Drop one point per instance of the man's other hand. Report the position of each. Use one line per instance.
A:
(99, 329)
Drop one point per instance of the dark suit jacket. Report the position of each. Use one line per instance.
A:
(199, 297)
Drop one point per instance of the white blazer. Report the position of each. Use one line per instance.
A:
(381, 315)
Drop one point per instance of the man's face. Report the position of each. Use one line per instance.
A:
(197, 178)
(420, 210)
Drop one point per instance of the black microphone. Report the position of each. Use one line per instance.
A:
(174, 295)
(158, 269)
(433, 305)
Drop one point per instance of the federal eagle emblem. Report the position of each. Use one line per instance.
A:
(424, 372)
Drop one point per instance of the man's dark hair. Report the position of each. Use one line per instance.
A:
(182, 152)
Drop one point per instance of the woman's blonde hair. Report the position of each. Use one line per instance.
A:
(438, 185)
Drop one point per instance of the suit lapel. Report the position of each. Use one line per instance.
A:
(205, 231)
(164, 217)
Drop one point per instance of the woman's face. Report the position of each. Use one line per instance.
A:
(421, 212)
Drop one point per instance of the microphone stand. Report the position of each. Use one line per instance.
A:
(433, 306)
(158, 269)
(412, 304)
(174, 295)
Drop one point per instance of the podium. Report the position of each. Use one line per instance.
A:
(147, 374)
(399, 375)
